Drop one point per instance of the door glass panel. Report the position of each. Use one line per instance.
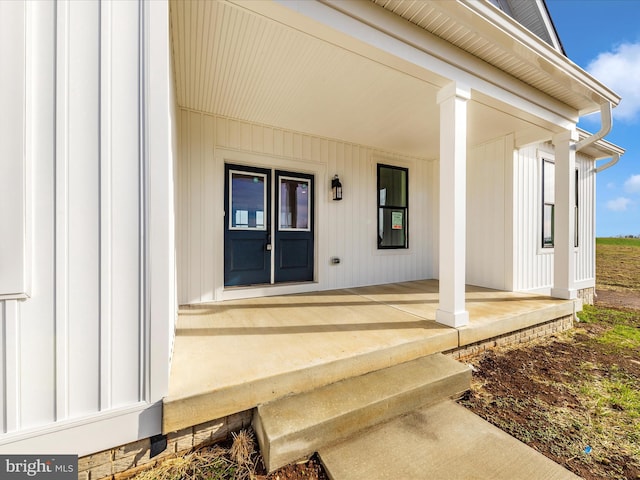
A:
(295, 195)
(247, 199)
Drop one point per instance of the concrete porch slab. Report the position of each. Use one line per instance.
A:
(231, 356)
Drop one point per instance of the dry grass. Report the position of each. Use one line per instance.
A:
(618, 264)
(239, 462)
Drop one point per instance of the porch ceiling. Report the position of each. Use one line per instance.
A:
(230, 61)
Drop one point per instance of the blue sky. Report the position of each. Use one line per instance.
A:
(603, 37)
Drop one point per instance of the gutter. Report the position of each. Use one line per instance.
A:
(607, 123)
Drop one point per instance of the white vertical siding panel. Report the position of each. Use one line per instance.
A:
(14, 160)
(349, 212)
(245, 136)
(358, 180)
(37, 371)
(11, 337)
(278, 142)
(208, 214)
(257, 137)
(337, 241)
(509, 209)
(183, 204)
(435, 215)
(106, 265)
(366, 230)
(235, 137)
(585, 260)
(61, 206)
(125, 290)
(4, 392)
(297, 146)
(83, 260)
(485, 215)
(267, 143)
(195, 205)
(287, 143)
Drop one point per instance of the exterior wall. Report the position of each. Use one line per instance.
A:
(533, 267)
(488, 208)
(345, 229)
(75, 356)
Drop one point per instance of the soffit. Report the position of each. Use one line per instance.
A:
(486, 32)
(231, 62)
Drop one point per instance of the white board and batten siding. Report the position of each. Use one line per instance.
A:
(489, 214)
(345, 229)
(76, 357)
(533, 265)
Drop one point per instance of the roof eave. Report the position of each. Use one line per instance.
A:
(499, 23)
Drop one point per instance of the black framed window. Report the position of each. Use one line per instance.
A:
(393, 207)
(548, 202)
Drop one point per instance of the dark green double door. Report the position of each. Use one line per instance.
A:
(268, 232)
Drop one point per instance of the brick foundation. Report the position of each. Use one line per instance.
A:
(125, 461)
(521, 336)
(587, 295)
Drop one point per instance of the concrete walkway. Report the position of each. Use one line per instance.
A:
(444, 441)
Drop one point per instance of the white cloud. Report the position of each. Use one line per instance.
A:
(620, 204)
(620, 71)
(632, 184)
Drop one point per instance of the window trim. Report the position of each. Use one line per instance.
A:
(265, 225)
(309, 208)
(405, 208)
(544, 244)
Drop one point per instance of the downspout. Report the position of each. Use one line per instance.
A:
(606, 122)
(614, 159)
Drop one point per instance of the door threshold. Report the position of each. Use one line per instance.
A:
(267, 290)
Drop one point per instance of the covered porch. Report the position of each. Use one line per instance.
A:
(231, 356)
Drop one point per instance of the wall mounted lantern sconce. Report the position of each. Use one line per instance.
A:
(336, 188)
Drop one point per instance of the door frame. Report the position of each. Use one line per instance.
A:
(322, 201)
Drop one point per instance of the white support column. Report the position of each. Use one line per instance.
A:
(564, 213)
(453, 191)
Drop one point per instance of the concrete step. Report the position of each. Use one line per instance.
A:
(294, 427)
(444, 441)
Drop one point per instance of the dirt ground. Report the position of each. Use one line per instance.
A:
(621, 299)
(535, 394)
(311, 470)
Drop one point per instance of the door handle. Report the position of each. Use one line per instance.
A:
(269, 247)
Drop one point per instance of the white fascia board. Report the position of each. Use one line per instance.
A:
(373, 32)
(548, 24)
(506, 29)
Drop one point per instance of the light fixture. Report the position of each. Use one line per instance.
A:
(336, 188)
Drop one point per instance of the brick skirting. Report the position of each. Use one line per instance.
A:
(125, 461)
(521, 336)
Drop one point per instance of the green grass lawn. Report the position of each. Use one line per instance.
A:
(627, 242)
